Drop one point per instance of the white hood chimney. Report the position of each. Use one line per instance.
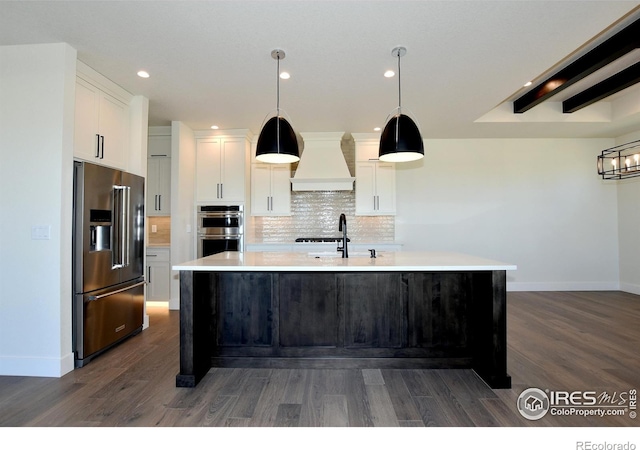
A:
(322, 166)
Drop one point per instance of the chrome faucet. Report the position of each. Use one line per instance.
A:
(342, 226)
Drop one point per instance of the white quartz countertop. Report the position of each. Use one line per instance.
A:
(333, 262)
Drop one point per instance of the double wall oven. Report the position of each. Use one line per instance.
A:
(220, 229)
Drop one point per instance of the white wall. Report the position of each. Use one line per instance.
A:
(183, 173)
(37, 85)
(536, 203)
(629, 227)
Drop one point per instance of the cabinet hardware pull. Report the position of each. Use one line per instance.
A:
(97, 146)
(102, 147)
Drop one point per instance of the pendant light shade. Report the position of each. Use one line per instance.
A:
(277, 142)
(400, 140)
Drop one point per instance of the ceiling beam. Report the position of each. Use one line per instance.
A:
(621, 43)
(622, 80)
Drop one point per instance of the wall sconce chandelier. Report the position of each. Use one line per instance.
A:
(277, 142)
(622, 161)
(400, 140)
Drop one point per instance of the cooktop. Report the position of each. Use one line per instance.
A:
(321, 239)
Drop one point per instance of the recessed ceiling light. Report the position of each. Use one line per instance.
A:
(143, 74)
(285, 75)
(528, 83)
(214, 127)
(389, 73)
(377, 129)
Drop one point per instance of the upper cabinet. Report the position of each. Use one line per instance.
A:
(222, 168)
(159, 186)
(159, 172)
(270, 189)
(108, 123)
(101, 126)
(375, 180)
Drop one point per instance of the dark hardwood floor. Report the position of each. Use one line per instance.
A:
(557, 341)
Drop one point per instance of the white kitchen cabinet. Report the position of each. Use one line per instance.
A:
(158, 186)
(158, 274)
(101, 126)
(221, 165)
(159, 145)
(375, 188)
(375, 180)
(270, 190)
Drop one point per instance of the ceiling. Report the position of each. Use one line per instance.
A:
(210, 61)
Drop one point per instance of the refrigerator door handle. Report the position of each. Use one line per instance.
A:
(121, 200)
(126, 227)
(93, 298)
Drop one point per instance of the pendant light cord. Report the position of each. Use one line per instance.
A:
(278, 86)
(399, 87)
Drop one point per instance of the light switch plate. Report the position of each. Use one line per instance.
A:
(154, 228)
(41, 232)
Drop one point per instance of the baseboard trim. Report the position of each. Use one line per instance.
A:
(630, 288)
(563, 286)
(36, 366)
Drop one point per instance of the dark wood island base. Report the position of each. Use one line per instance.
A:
(343, 319)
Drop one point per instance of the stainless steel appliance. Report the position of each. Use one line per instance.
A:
(220, 229)
(108, 246)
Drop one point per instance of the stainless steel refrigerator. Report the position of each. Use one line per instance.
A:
(108, 246)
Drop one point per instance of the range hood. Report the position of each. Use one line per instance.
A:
(322, 166)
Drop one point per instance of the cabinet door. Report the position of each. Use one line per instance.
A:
(385, 188)
(158, 274)
(365, 188)
(164, 186)
(158, 186)
(280, 190)
(260, 189)
(208, 170)
(233, 155)
(159, 146)
(86, 141)
(114, 118)
(159, 280)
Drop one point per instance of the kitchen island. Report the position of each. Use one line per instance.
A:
(397, 310)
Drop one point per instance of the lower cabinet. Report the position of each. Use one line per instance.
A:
(158, 274)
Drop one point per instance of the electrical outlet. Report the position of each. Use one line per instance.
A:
(154, 228)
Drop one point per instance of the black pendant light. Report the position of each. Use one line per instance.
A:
(277, 142)
(400, 140)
